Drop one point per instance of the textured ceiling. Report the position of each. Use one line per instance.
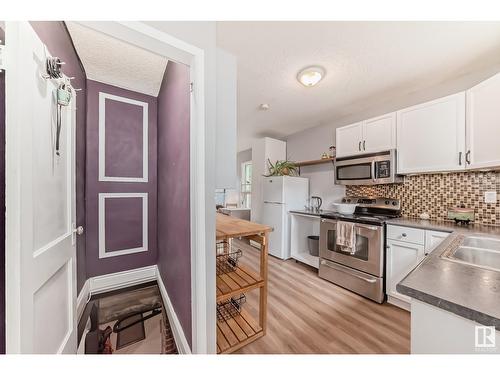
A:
(370, 66)
(117, 63)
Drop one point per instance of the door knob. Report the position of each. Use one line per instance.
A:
(79, 230)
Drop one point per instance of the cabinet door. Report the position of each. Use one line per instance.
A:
(348, 139)
(379, 133)
(432, 239)
(483, 124)
(402, 257)
(431, 136)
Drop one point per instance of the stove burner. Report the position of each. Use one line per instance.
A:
(370, 210)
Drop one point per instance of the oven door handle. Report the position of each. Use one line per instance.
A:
(371, 281)
(365, 226)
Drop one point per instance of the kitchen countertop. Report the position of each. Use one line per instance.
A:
(445, 226)
(232, 227)
(467, 291)
(311, 213)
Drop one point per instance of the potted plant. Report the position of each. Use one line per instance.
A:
(282, 168)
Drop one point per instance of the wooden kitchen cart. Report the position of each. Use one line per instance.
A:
(238, 328)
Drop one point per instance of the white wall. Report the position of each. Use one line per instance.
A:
(225, 147)
(309, 145)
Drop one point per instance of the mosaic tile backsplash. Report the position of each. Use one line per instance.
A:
(435, 193)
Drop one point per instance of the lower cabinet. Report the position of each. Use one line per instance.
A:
(402, 257)
(406, 248)
(432, 239)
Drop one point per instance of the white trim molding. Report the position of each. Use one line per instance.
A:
(118, 280)
(102, 138)
(102, 224)
(83, 298)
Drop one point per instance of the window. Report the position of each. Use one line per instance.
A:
(246, 184)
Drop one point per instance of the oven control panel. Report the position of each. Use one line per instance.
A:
(390, 203)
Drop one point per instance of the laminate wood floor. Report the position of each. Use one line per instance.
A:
(307, 314)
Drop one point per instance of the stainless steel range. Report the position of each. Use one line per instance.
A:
(359, 266)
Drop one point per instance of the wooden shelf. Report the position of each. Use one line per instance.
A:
(313, 162)
(241, 329)
(241, 280)
(234, 333)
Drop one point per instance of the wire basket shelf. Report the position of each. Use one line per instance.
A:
(227, 257)
(230, 308)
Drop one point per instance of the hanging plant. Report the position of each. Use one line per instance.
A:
(282, 168)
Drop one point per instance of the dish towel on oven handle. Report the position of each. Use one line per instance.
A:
(346, 237)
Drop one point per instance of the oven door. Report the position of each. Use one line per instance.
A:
(368, 255)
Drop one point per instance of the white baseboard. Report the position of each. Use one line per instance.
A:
(113, 281)
(397, 302)
(82, 299)
(175, 324)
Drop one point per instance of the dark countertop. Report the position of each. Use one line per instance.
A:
(445, 226)
(311, 213)
(467, 291)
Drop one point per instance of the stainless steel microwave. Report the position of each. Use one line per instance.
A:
(367, 169)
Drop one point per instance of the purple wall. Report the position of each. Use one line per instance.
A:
(55, 36)
(122, 220)
(2, 205)
(123, 122)
(174, 249)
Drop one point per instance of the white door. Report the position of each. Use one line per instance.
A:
(431, 136)
(41, 273)
(432, 239)
(273, 189)
(273, 216)
(348, 139)
(379, 133)
(402, 257)
(483, 124)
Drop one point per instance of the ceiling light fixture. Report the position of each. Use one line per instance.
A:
(311, 75)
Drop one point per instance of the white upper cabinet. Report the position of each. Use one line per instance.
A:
(373, 135)
(431, 136)
(348, 139)
(379, 133)
(225, 151)
(483, 124)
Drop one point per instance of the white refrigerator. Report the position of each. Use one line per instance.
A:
(281, 195)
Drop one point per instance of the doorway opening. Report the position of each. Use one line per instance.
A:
(144, 182)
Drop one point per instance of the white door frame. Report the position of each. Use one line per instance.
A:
(202, 277)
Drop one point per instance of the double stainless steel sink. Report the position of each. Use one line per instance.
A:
(481, 252)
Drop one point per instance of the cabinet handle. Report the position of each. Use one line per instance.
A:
(364, 148)
(403, 235)
(467, 157)
(460, 158)
(359, 146)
